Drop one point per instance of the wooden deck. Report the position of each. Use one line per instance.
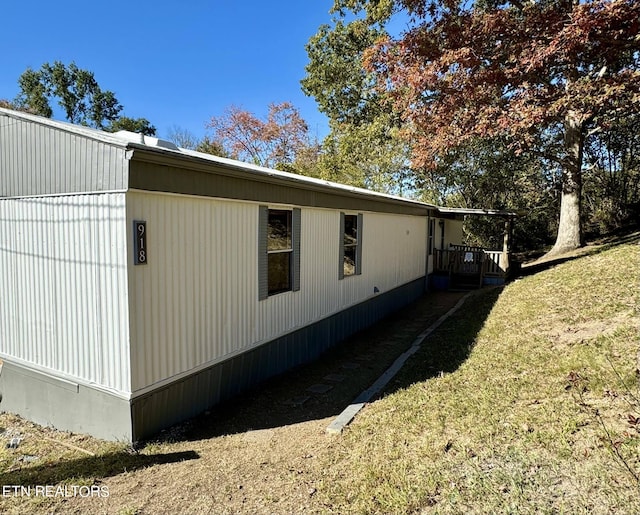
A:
(469, 267)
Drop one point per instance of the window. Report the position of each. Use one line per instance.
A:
(350, 259)
(279, 251)
(441, 222)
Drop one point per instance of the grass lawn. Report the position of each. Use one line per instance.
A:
(541, 417)
(527, 400)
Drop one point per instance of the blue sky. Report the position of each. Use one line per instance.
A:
(176, 64)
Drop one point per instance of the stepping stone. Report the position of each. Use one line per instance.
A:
(258, 435)
(319, 388)
(297, 401)
(350, 366)
(335, 378)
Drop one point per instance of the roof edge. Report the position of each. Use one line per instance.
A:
(158, 151)
(501, 213)
(206, 162)
(80, 130)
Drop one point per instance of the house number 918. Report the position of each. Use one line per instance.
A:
(140, 242)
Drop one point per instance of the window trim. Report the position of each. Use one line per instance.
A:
(263, 251)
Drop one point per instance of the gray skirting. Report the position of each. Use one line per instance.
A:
(77, 408)
(50, 401)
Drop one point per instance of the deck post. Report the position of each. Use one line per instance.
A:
(504, 257)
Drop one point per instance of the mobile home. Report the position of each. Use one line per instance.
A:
(141, 283)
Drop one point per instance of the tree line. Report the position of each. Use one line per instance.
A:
(79, 95)
(529, 106)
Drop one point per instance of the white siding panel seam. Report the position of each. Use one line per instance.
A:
(58, 195)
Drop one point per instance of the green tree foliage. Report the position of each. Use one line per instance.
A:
(376, 11)
(364, 147)
(209, 146)
(370, 155)
(139, 125)
(612, 186)
(336, 76)
(488, 173)
(8, 104)
(78, 94)
(525, 71)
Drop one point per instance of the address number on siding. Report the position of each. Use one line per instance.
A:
(140, 242)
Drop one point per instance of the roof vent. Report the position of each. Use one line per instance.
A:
(131, 137)
(161, 143)
(150, 141)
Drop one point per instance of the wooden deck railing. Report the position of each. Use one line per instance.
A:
(493, 267)
(466, 248)
(471, 263)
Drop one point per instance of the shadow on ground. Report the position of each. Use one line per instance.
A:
(603, 245)
(347, 370)
(105, 465)
(450, 345)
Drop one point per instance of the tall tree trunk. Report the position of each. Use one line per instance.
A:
(570, 229)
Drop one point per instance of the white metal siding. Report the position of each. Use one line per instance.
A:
(37, 159)
(196, 301)
(63, 286)
(453, 234)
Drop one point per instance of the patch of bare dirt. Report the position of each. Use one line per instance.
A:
(591, 329)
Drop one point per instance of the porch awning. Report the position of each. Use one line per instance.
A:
(461, 211)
